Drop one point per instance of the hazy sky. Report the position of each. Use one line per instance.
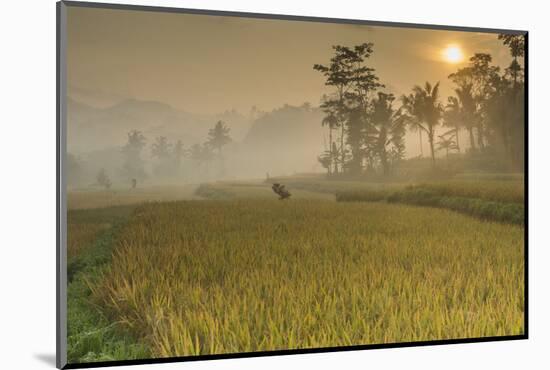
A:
(208, 64)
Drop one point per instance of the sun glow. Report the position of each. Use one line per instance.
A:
(452, 54)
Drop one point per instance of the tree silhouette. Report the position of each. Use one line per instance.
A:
(424, 111)
(325, 159)
(447, 142)
(505, 116)
(134, 166)
(103, 179)
(478, 78)
(516, 44)
(413, 116)
(468, 111)
(355, 138)
(218, 137)
(353, 82)
(388, 129)
(333, 120)
(201, 153)
(161, 148)
(453, 117)
(195, 153)
(178, 153)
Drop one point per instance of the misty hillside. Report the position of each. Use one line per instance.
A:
(91, 128)
(286, 139)
(283, 141)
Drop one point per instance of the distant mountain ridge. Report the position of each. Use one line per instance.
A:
(286, 139)
(91, 128)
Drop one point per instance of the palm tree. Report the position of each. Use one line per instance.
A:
(468, 110)
(478, 78)
(447, 143)
(425, 111)
(412, 110)
(387, 129)
(325, 159)
(452, 117)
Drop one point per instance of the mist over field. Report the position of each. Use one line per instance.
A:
(176, 82)
(284, 141)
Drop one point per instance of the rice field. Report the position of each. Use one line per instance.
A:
(226, 267)
(92, 198)
(85, 226)
(81, 235)
(240, 275)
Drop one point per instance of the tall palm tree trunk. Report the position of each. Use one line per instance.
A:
(331, 156)
(472, 140)
(456, 136)
(432, 150)
(480, 142)
(420, 137)
(384, 162)
(343, 152)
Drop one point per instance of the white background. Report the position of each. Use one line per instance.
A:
(27, 181)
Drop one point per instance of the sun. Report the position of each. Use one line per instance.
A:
(453, 54)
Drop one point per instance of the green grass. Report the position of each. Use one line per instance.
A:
(491, 190)
(258, 190)
(481, 208)
(362, 195)
(84, 227)
(89, 198)
(201, 277)
(90, 335)
(488, 200)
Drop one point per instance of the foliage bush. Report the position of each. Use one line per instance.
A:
(481, 208)
(498, 191)
(481, 202)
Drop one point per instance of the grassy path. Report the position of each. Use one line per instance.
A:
(91, 336)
